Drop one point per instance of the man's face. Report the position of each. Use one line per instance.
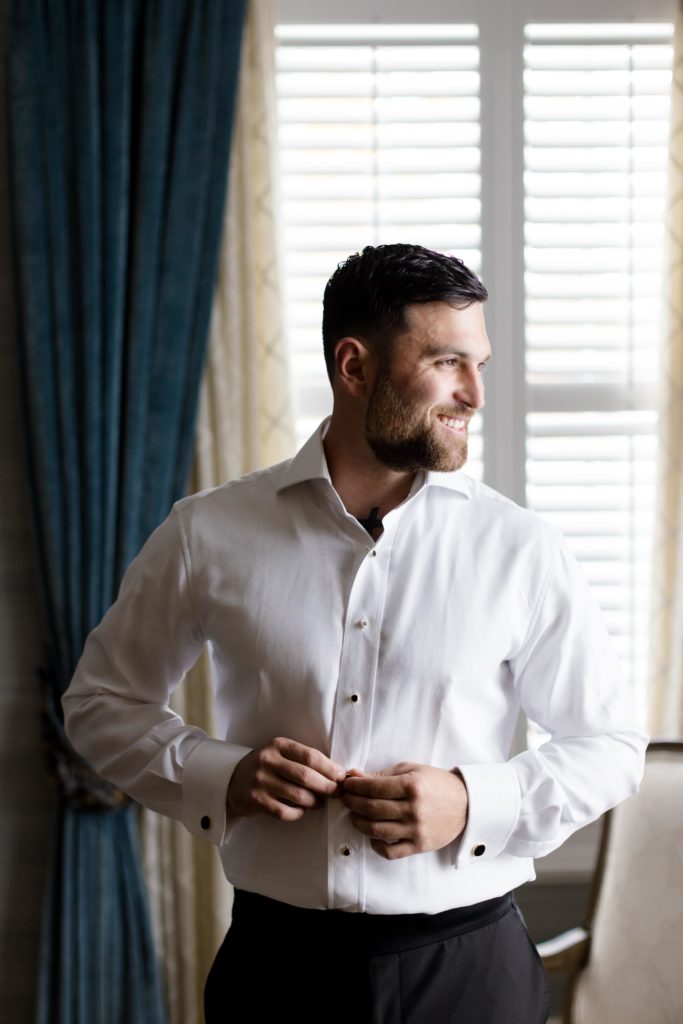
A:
(428, 388)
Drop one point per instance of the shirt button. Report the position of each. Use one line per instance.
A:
(363, 623)
(478, 850)
(205, 822)
(373, 553)
(354, 698)
(345, 852)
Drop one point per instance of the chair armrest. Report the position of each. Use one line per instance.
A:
(566, 952)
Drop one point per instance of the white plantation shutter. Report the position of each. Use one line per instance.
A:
(596, 101)
(379, 142)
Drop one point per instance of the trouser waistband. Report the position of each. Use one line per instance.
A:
(367, 933)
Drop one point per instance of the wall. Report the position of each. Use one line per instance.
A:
(26, 799)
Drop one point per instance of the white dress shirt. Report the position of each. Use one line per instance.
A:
(422, 646)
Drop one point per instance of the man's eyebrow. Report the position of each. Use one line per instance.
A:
(444, 350)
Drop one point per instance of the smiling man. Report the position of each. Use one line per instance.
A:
(377, 620)
(425, 394)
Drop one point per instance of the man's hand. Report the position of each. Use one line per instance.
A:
(408, 808)
(284, 779)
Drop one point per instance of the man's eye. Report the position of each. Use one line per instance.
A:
(448, 362)
(483, 367)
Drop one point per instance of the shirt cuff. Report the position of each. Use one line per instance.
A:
(206, 776)
(493, 807)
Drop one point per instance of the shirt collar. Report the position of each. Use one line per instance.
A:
(310, 464)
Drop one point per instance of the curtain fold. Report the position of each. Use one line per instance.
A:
(119, 118)
(244, 423)
(666, 626)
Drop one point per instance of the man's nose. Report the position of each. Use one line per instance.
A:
(470, 389)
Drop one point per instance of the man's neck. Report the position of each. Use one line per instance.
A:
(367, 488)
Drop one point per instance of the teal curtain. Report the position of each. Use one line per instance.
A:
(120, 114)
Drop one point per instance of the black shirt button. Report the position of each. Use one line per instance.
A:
(478, 850)
(205, 822)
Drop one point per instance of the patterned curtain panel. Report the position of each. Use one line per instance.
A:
(244, 423)
(666, 643)
(120, 120)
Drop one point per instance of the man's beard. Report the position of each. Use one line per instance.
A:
(403, 438)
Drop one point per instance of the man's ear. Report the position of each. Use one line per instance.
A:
(355, 362)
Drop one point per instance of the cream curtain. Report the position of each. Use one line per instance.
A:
(244, 423)
(666, 651)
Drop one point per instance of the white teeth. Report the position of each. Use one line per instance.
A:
(455, 424)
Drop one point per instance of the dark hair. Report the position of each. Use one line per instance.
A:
(368, 293)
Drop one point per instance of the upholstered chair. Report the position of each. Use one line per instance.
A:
(626, 962)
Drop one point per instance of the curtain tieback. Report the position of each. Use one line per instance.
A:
(80, 785)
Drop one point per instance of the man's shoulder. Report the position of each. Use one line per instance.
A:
(491, 513)
(491, 508)
(246, 491)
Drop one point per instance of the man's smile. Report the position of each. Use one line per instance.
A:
(458, 426)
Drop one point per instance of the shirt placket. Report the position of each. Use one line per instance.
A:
(351, 732)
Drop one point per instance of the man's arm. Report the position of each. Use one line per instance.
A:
(117, 715)
(568, 680)
(116, 707)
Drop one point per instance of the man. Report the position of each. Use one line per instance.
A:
(376, 621)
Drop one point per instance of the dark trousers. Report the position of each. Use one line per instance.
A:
(472, 965)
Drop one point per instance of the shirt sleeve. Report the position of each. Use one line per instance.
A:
(569, 681)
(116, 706)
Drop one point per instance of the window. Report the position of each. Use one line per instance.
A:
(596, 104)
(535, 148)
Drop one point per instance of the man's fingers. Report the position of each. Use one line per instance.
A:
(313, 768)
(284, 778)
(377, 810)
(281, 811)
(394, 851)
(389, 831)
(412, 808)
(381, 787)
(298, 775)
(297, 796)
